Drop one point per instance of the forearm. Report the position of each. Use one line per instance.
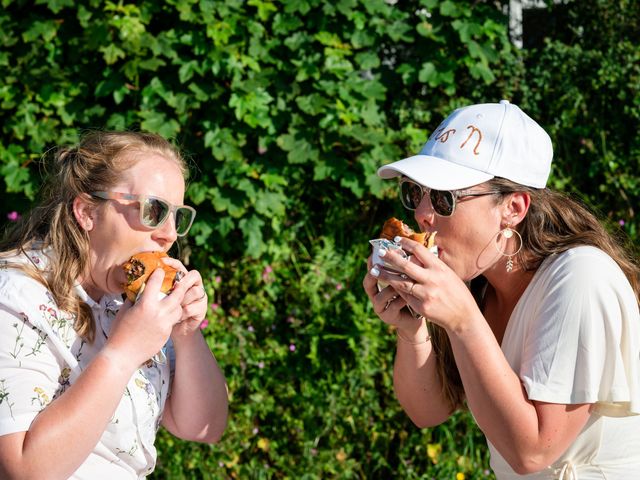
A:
(198, 405)
(63, 435)
(498, 401)
(416, 382)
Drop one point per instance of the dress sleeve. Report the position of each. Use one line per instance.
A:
(31, 372)
(583, 344)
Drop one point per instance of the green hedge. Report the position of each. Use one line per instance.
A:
(286, 109)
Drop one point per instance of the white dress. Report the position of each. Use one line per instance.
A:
(41, 356)
(574, 337)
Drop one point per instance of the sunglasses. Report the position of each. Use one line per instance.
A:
(443, 201)
(154, 211)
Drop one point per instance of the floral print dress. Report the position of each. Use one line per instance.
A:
(41, 356)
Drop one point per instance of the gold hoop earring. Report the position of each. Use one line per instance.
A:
(507, 232)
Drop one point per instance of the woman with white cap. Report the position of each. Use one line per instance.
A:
(529, 313)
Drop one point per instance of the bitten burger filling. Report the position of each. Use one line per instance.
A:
(140, 267)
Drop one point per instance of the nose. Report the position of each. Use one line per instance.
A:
(425, 214)
(166, 234)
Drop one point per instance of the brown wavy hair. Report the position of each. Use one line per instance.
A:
(554, 223)
(97, 162)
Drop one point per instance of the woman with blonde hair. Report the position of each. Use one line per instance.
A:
(86, 378)
(529, 314)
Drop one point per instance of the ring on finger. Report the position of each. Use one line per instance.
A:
(204, 294)
(411, 289)
(390, 301)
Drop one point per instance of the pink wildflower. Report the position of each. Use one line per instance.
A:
(266, 273)
(204, 324)
(13, 216)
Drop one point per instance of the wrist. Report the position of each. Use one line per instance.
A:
(179, 338)
(416, 334)
(117, 361)
(416, 340)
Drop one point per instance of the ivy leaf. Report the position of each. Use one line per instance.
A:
(56, 5)
(159, 123)
(300, 150)
(112, 53)
(251, 228)
(45, 30)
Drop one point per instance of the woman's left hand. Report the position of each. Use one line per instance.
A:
(194, 304)
(429, 286)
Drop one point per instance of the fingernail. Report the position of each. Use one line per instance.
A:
(374, 272)
(397, 239)
(382, 252)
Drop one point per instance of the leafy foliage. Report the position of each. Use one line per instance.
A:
(586, 90)
(286, 108)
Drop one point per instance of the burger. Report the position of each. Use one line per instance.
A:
(140, 267)
(394, 227)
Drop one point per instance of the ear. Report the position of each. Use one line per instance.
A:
(83, 210)
(516, 207)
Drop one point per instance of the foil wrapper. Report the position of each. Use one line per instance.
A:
(379, 243)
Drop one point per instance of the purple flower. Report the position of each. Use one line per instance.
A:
(214, 306)
(260, 364)
(13, 216)
(621, 222)
(218, 279)
(204, 324)
(255, 430)
(250, 328)
(292, 348)
(339, 286)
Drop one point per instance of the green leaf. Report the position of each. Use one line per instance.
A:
(428, 74)
(112, 53)
(251, 227)
(252, 107)
(187, 69)
(449, 8)
(300, 150)
(56, 5)
(41, 30)
(158, 122)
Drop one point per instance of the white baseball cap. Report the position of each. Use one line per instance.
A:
(475, 144)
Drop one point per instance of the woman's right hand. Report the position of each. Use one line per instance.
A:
(140, 330)
(388, 305)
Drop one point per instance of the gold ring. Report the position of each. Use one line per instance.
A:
(411, 289)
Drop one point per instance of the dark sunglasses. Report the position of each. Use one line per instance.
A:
(154, 211)
(443, 201)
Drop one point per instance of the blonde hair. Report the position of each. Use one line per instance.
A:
(554, 223)
(97, 162)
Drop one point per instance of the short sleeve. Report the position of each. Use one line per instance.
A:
(582, 345)
(30, 374)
